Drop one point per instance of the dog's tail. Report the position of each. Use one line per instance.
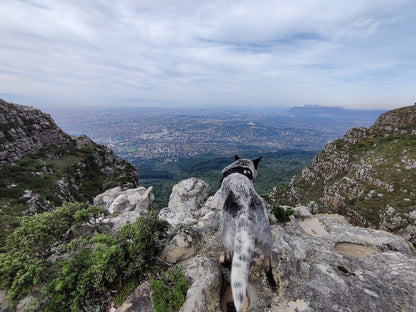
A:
(243, 249)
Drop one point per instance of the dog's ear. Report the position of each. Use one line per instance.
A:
(256, 162)
(236, 157)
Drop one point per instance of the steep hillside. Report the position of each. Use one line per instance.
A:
(41, 166)
(368, 175)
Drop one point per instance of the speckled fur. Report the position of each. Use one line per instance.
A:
(244, 226)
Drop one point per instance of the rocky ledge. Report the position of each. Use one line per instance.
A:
(323, 263)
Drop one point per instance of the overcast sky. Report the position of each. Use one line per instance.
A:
(351, 53)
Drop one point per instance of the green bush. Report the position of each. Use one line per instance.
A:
(169, 291)
(122, 256)
(126, 291)
(24, 262)
(282, 214)
(94, 263)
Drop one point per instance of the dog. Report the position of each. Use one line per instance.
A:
(245, 226)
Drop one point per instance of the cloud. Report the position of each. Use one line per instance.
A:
(195, 53)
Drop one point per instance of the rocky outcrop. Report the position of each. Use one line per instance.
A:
(186, 201)
(26, 130)
(193, 216)
(45, 166)
(326, 264)
(322, 262)
(41, 167)
(368, 176)
(125, 206)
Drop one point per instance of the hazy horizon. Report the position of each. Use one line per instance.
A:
(258, 54)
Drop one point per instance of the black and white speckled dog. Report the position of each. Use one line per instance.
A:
(244, 226)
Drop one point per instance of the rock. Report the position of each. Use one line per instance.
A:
(133, 199)
(106, 199)
(83, 141)
(204, 277)
(125, 206)
(139, 300)
(29, 303)
(5, 305)
(187, 197)
(209, 216)
(362, 175)
(27, 130)
(322, 262)
(346, 268)
(181, 247)
(118, 201)
(333, 267)
(302, 212)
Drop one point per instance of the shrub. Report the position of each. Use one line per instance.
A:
(122, 256)
(24, 262)
(95, 263)
(282, 214)
(126, 291)
(169, 291)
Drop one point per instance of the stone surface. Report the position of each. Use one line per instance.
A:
(4, 303)
(185, 201)
(181, 247)
(125, 206)
(322, 262)
(368, 175)
(315, 275)
(27, 130)
(139, 300)
(106, 199)
(204, 277)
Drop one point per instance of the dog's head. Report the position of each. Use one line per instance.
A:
(241, 164)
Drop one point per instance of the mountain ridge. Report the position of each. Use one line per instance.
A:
(367, 176)
(42, 167)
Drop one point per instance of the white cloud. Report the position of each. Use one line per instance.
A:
(259, 51)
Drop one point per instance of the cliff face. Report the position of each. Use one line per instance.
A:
(26, 130)
(41, 166)
(368, 175)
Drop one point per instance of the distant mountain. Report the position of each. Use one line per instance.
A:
(332, 114)
(41, 166)
(368, 175)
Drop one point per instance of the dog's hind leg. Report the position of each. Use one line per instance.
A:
(225, 260)
(267, 264)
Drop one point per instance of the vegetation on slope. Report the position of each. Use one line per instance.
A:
(54, 175)
(41, 167)
(274, 169)
(368, 175)
(74, 259)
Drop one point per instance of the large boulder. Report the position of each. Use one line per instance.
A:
(186, 200)
(139, 300)
(125, 206)
(205, 280)
(182, 246)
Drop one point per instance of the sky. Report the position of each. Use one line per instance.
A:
(180, 53)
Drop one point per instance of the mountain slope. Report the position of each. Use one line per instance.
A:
(368, 175)
(41, 166)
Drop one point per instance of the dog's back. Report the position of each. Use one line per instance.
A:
(244, 223)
